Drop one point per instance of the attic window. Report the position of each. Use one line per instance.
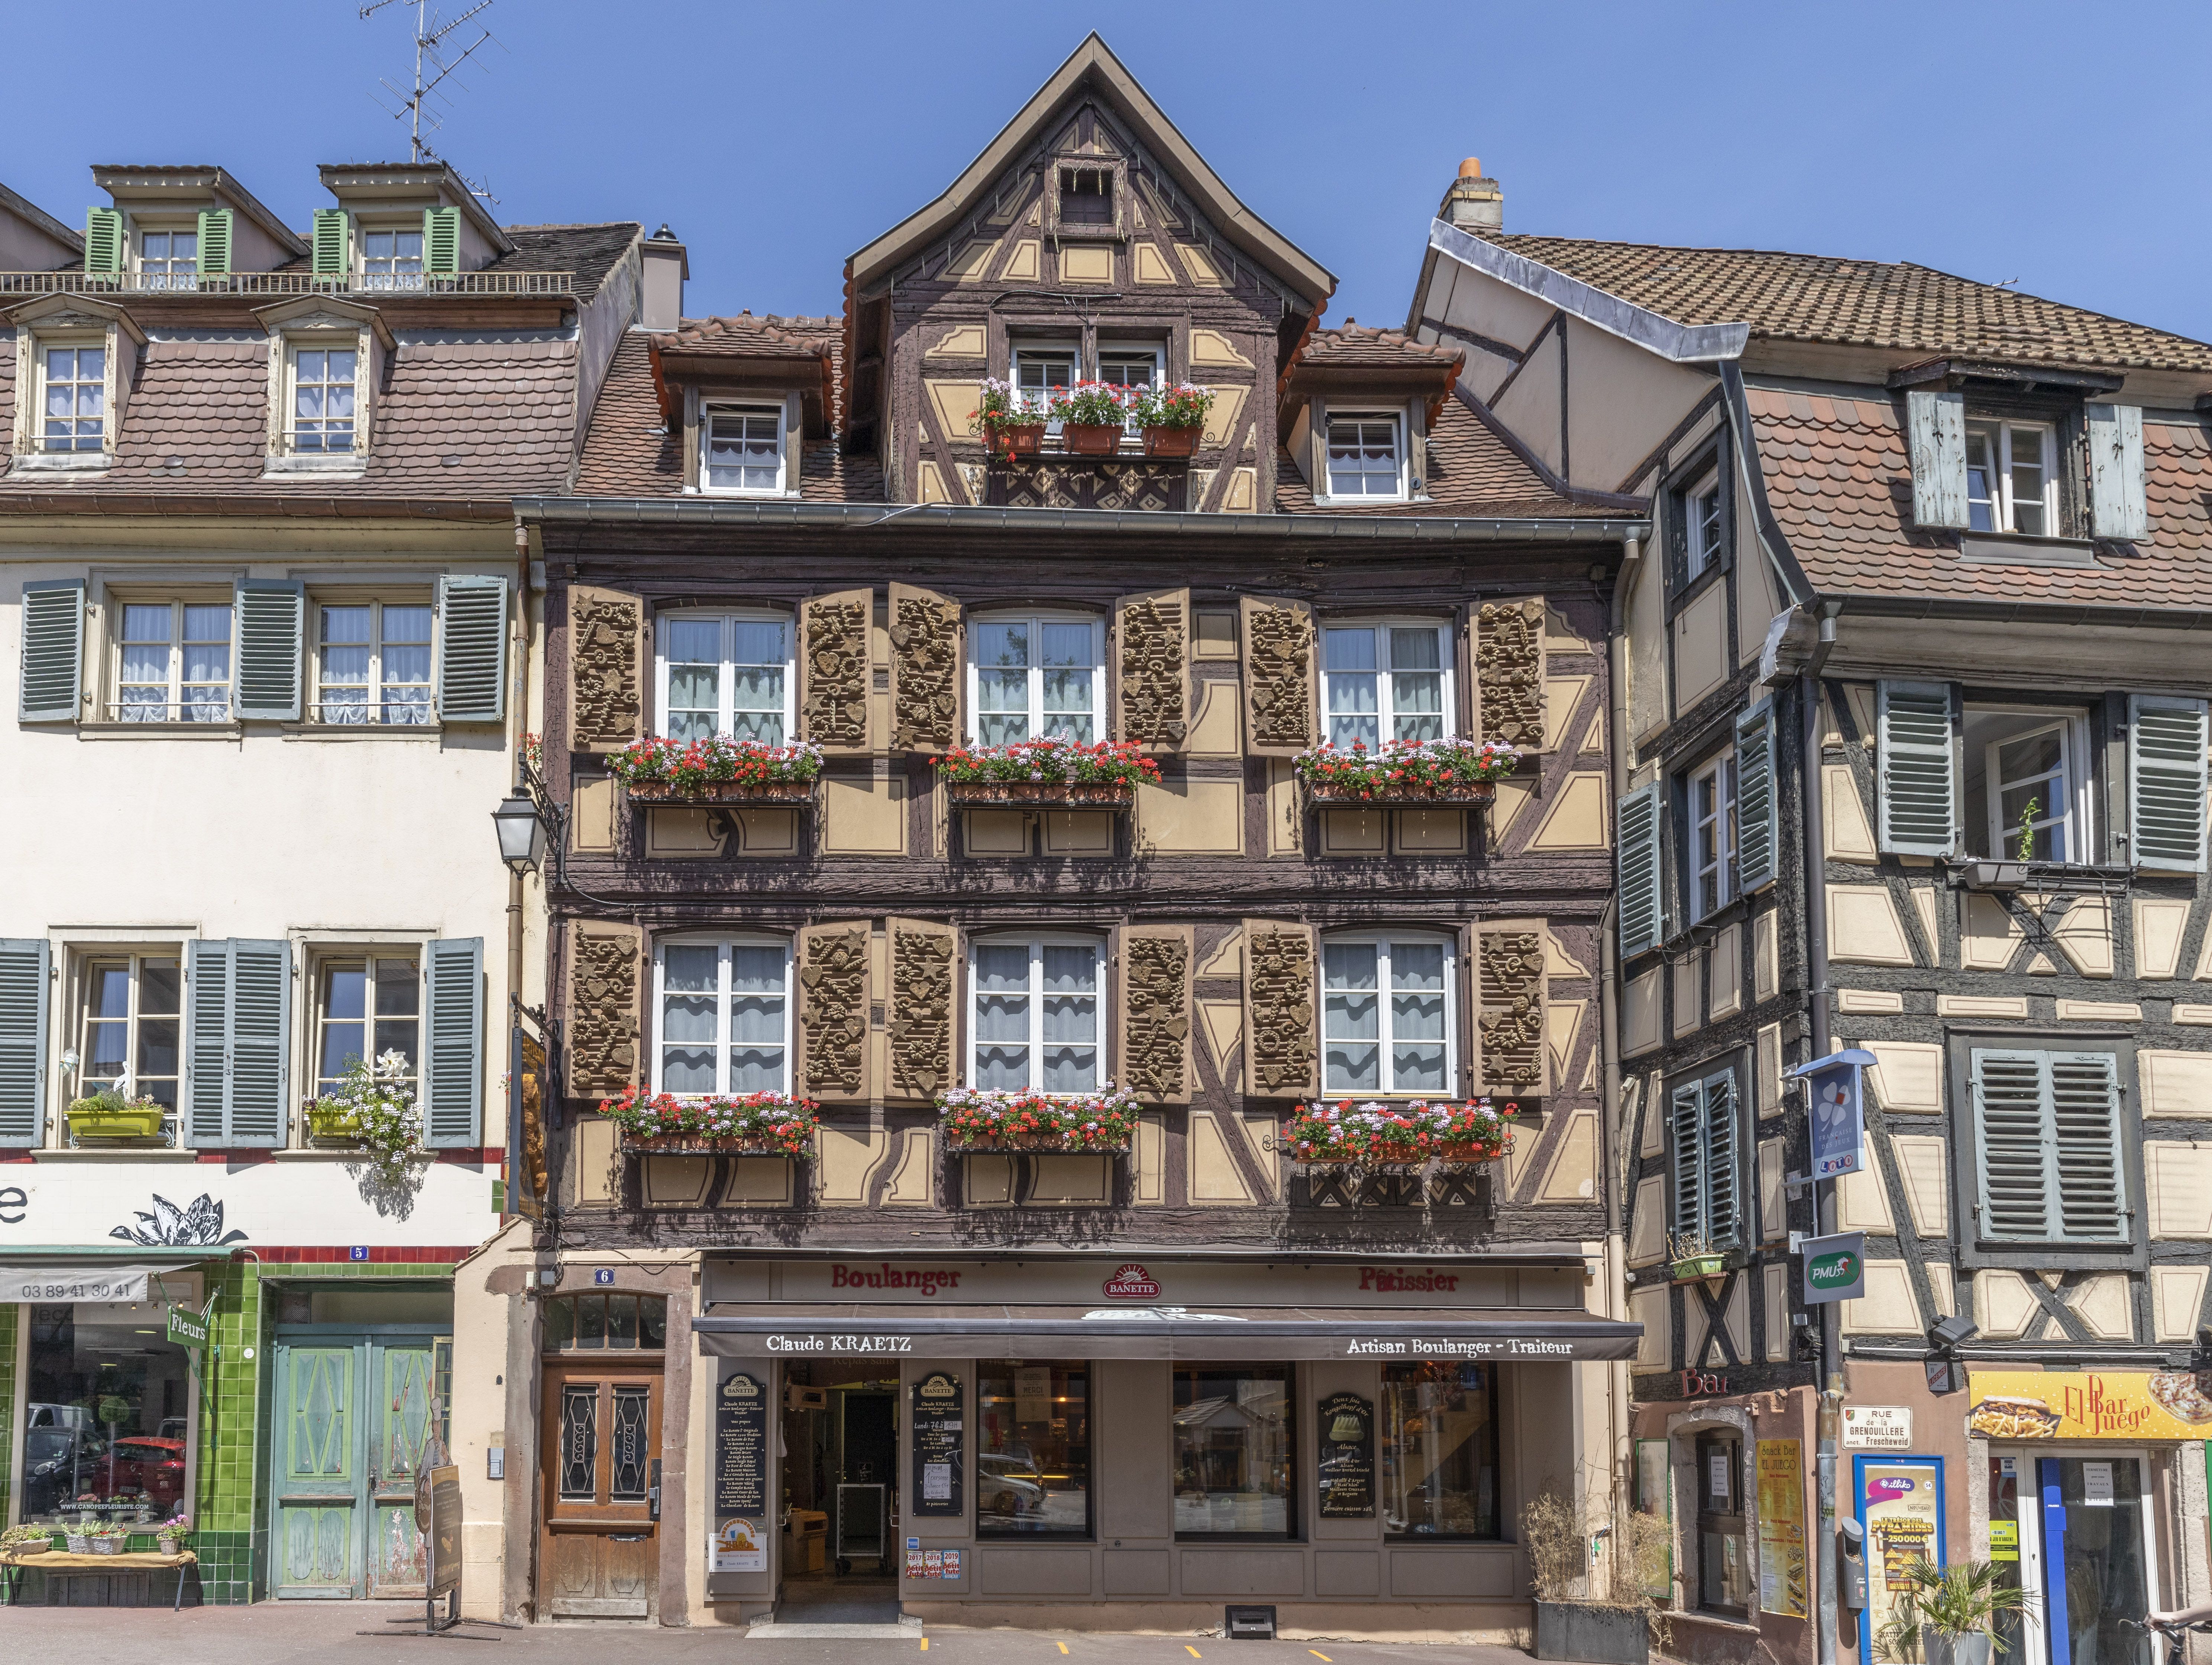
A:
(1086, 197)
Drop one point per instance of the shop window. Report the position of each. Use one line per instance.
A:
(108, 1414)
(1033, 1449)
(1724, 1561)
(606, 1324)
(1235, 1437)
(1439, 1450)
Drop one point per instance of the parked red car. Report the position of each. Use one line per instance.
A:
(144, 1466)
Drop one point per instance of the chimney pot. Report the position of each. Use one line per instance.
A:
(1471, 168)
(1474, 203)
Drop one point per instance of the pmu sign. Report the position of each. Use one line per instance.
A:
(1836, 1086)
(1835, 1267)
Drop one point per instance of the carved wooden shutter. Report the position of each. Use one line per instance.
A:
(918, 1013)
(452, 1089)
(607, 658)
(1152, 1045)
(1151, 669)
(1282, 676)
(1281, 1038)
(1936, 428)
(1506, 972)
(2117, 507)
(1508, 673)
(928, 669)
(25, 964)
(834, 670)
(606, 1009)
(833, 1012)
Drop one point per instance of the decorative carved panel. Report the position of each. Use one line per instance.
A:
(1153, 685)
(1279, 676)
(920, 1016)
(1156, 1014)
(834, 713)
(833, 1011)
(1279, 1041)
(925, 631)
(1509, 671)
(605, 1013)
(1058, 483)
(1509, 985)
(606, 691)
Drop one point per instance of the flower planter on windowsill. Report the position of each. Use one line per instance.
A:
(1033, 1144)
(786, 794)
(1327, 795)
(1017, 439)
(1090, 439)
(114, 1124)
(1041, 795)
(333, 1124)
(1697, 1267)
(1171, 441)
(706, 1145)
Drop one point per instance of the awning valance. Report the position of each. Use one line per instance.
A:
(52, 1285)
(775, 1330)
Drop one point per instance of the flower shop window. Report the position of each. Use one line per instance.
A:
(366, 1006)
(1036, 1020)
(722, 1016)
(1388, 1022)
(1235, 1451)
(605, 1323)
(1386, 681)
(725, 673)
(108, 1414)
(372, 663)
(1032, 1449)
(1439, 1449)
(1037, 677)
(129, 1030)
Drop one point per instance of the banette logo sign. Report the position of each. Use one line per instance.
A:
(1131, 1282)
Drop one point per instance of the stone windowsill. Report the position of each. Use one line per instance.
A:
(346, 465)
(116, 1153)
(161, 731)
(363, 730)
(64, 463)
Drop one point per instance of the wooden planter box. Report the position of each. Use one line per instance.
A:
(1171, 441)
(782, 794)
(702, 1145)
(1040, 794)
(1036, 1144)
(115, 1124)
(333, 1124)
(1091, 439)
(1017, 439)
(1327, 795)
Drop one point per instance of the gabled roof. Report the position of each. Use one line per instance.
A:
(1092, 66)
(589, 252)
(198, 176)
(1353, 346)
(23, 208)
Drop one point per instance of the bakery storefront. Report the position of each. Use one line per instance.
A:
(966, 1440)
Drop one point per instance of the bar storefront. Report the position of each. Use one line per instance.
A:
(961, 1441)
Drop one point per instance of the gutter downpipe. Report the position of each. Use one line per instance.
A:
(1613, 1136)
(1814, 842)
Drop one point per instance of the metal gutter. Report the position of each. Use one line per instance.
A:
(2023, 612)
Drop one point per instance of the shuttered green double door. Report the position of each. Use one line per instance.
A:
(353, 1417)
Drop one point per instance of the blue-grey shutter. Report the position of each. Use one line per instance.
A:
(1724, 1182)
(1643, 904)
(2166, 782)
(1686, 1122)
(1755, 822)
(2085, 1139)
(207, 1043)
(53, 651)
(2047, 1129)
(25, 967)
(471, 648)
(2117, 505)
(260, 1042)
(452, 1089)
(1918, 769)
(271, 634)
(1936, 431)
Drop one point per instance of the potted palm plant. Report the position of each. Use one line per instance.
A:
(1948, 1615)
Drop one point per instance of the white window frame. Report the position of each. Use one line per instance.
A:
(708, 410)
(377, 709)
(722, 1044)
(320, 342)
(1070, 351)
(1717, 773)
(1036, 942)
(172, 706)
(1385, 1038)
(321, 964)
(1131, 349)
(93, 959)
(2078, 819)
(1701, 515)
(1330, 417)
(43, 346)
(1036, 621)
(725, 621)
(394, 280)
(2000, 504)
(1386, 675)
(162, 274)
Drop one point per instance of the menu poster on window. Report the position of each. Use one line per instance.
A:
(1347, 1457)
(939, 1447)
(1781, 1527)
(740, 1475)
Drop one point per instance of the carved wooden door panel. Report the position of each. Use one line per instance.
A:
(600, 1554)
(321, 1468)
(400, 1422)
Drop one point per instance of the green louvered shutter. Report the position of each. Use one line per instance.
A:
(2166, 782)
(1756, 826)
(471, 648)
(452, 1108)
(1643, 923)
(25, 965)
(207, 1043)
(271, 618)
(260, 1032)
(1686, 1121)
(1918, 772)
(103, 243)
(441, 241)
(53, 651)
(330, 243)
(215, 242)
(1724, 1187)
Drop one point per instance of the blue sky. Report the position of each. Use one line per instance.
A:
(2056, 145)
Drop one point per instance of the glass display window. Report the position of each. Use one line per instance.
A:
(108, 1414)
(1032, 1449)
(1438, 1460)
(1235, 1451)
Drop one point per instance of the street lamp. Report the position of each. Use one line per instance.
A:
(521, 833)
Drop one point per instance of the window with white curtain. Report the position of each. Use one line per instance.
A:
(72, 398)
(1363, 458)
(743, 448)
(726, 673)
(1038, 678)
(323, 399)
(372, 663)
(1386, 681)
(1036, 1020)
(722, 1016)
(1387, 1024)
(173, 662)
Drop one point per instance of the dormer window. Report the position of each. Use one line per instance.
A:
(323, 386)
(1086, 197)
(1701, 509)
(1364, 456)
(325, 358)
(73, 402)
(2012, 478)
(742, 448)
(392, 260)
(169, 259)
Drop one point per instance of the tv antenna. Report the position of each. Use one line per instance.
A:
(433, 59)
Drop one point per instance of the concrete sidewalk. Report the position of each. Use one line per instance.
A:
(320, 1633)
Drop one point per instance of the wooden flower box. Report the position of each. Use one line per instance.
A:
(704, 1144)
(769, 793)
(1171, 441)
(1468, 1151)
(1050, 1144)
(1091, 439)
(333, 1123)
(1041, 795)
(1331, 795)
(114, 1124)
(1023, 438)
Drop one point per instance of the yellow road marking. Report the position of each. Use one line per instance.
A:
(1319, 1654)
(1062, 1646)
(924, 1644)
(1191, 1651)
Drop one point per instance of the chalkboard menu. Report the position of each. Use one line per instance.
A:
(1347, 1457)
(939, 1455)
(741, 1446)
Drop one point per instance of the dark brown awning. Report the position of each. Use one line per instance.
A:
(1509, 1335)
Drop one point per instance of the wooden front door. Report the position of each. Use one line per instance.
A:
(599, 1555)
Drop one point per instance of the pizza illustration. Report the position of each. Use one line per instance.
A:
(2001, 1417)
(2186, 1395)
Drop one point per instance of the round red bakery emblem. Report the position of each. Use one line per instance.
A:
(1131, 1282)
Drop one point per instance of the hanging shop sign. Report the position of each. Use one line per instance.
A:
(1835, 1267)
(740, 1540)
(1782, 1527)
(940, 1446)
(1836, 1086)
(188, 1329)
(1347, 1458)
(2045, 1405)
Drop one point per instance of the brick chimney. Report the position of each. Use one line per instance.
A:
(1474, 203)
(660, 306)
